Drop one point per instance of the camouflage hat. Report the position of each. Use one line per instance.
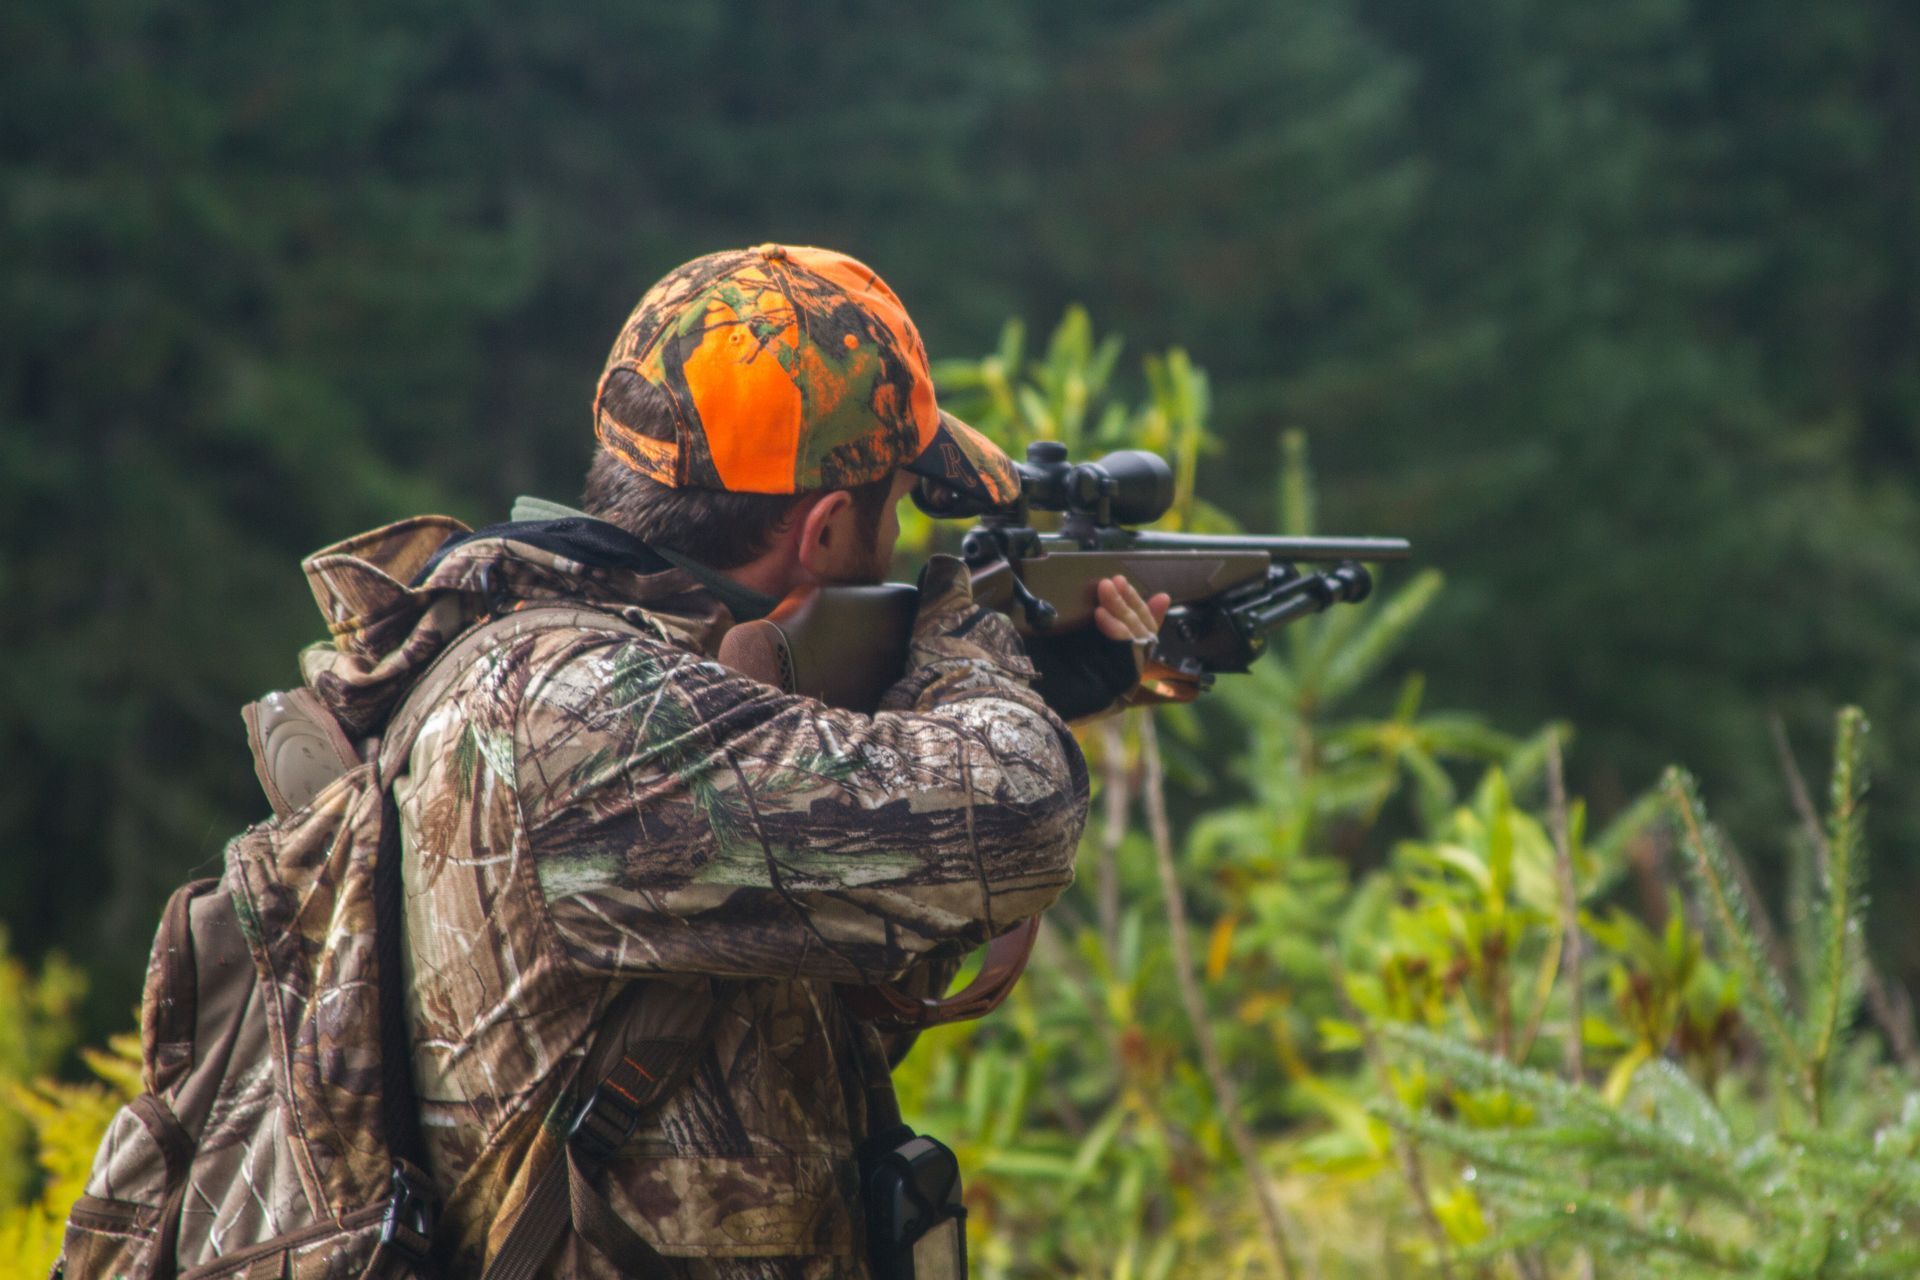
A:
(782, 370)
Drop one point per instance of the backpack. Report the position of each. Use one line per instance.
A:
(273, 1139)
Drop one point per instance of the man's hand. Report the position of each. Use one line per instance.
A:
(1123, 615)
(1088, 672)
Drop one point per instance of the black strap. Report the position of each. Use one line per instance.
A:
(412, 1210)
(581, 538)
(876, 1076)
(413, 1204)
(642, 1075)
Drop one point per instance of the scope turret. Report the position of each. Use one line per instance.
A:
(1128, 487)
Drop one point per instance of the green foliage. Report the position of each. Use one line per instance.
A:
(1405, 937)
(1097, 1137)
(1460, 1036)
(1610, 308)
(36, 1033)
(1799, 1165)
(48, 1128)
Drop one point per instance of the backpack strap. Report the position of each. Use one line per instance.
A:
(648, 1043)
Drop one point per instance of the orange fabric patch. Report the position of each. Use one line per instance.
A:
(880, 302)
(737, 381)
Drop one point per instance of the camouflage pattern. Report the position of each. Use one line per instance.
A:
(262, 1084)
(589, 808)
(781, 370)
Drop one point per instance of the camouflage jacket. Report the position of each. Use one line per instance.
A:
(589, 808)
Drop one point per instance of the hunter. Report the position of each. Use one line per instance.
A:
(594, 808)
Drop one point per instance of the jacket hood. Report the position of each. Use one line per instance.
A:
(395, 597)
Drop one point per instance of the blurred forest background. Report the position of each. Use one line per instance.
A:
(1612, 308)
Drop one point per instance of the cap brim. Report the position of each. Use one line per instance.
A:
(968, 463)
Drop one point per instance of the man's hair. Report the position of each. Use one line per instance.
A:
(719, 529)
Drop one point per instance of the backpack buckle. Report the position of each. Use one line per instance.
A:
(408, 1223)
(605, 1123)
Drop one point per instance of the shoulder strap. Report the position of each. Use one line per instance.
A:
(641, 1052)
(646, 1046)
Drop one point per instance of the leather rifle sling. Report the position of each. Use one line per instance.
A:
(890, 1007)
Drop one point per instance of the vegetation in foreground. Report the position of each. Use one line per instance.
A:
(1380, 1004)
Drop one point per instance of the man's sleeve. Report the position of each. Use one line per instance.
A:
(682, 817)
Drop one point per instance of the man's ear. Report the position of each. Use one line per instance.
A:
(823, 529)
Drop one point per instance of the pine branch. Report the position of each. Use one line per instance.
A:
(1733, 915)
(1836, 990)
(1590, 1217)
(1557, 1100)
(1684, 1111)
(1890, 1005)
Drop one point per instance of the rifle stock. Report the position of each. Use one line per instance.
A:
(847, 645)
(842, 645)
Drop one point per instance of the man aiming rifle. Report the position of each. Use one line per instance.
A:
(636, 817)
(660, 925)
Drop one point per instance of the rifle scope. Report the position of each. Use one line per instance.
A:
(1132, 486)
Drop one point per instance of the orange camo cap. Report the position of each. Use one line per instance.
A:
(782, 369)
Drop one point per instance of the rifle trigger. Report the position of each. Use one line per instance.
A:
(1040, 614)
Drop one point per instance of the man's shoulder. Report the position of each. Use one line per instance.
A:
(550, 657)
(590, 677)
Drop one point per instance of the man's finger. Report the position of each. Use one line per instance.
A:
(1116, 609)
(1111, 627)
(1122, 615)
(1146, 620)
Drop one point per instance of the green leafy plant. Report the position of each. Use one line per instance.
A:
(1801, 1164)
(48, 1128)
(1128, 1113)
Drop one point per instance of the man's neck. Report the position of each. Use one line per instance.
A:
(761, 578)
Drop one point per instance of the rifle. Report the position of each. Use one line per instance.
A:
(846, 645)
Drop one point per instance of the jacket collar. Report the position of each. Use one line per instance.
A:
(395, 596)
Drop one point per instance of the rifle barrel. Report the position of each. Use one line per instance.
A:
(1280, 548)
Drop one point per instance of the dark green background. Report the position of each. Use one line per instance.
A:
(1611, 307)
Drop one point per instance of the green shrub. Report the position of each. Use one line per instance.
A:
(48, 1128)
